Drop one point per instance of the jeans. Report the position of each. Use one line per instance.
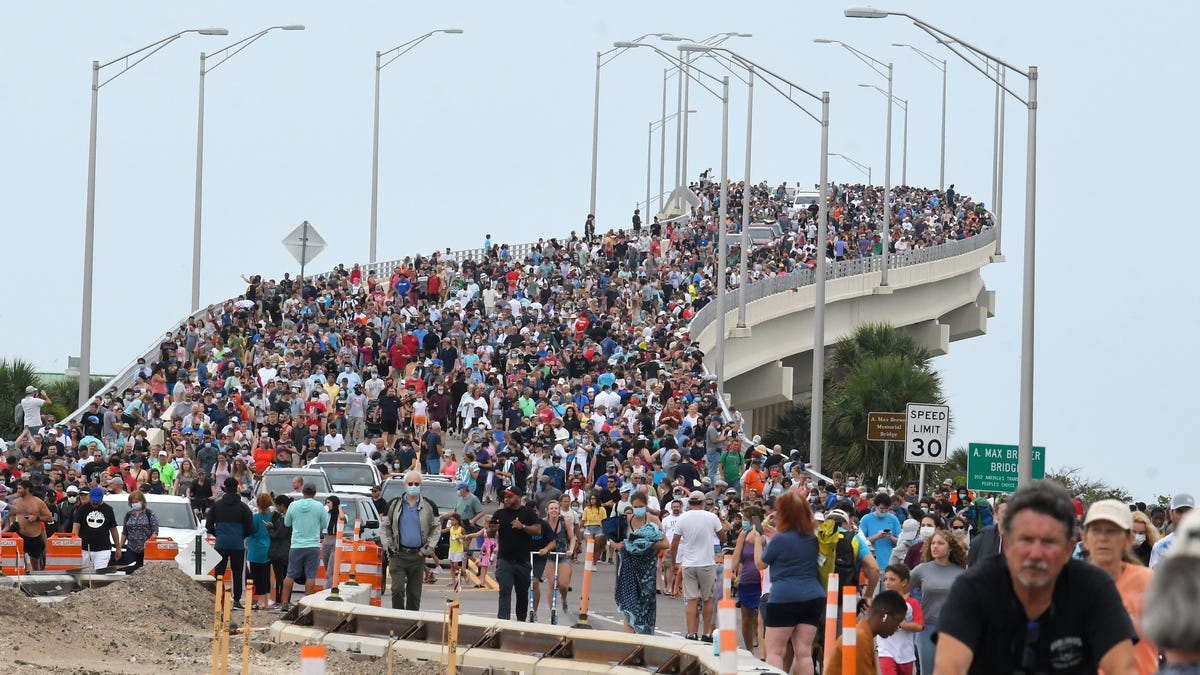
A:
(926, 649)
(408, 573)
(236, 559)
(714, 462)
(355, 430)
(512, 575)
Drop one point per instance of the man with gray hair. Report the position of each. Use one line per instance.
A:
(409, 533)
(1034, 609)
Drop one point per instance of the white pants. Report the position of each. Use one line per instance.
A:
(95, 560)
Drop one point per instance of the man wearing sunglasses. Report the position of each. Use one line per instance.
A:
(1034, 609)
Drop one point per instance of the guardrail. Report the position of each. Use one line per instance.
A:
(838, 270)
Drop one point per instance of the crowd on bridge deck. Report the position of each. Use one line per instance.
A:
(572, 380)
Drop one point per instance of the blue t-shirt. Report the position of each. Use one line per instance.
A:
(873, 523)
(792, 558)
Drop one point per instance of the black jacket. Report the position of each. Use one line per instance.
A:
(230, 521)
(281, 538)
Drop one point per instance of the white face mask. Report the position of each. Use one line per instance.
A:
(926, 531)
(1139, 539)
(137, 506)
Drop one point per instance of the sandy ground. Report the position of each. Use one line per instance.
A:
(159, 621)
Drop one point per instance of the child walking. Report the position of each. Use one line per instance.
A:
(898, 653)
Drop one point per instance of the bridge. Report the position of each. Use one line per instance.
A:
(937, 294)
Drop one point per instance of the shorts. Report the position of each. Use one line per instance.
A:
(749, 596)
(596, 531)
(539, 566)
(698, 582)
(888, 666)
(762, 607)
(791, 614)
(303, 562)
(456, 557)
(35, 547)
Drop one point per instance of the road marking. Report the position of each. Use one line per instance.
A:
(622, 624)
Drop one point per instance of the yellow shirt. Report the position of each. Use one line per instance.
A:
(593, 515)
(456, 539)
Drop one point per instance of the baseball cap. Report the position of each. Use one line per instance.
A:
(1112, 510)
(696, 496)
(72, 489)
(511, 491)
(464, 486)
(96, 494)
(30, 389)
(1183, 500)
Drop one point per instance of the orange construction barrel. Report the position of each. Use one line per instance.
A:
(64, 551)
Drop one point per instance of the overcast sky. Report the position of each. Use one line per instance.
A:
(490, 132)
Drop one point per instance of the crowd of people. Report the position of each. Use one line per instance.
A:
(571, 380)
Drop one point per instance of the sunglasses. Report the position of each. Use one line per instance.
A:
(405, 484)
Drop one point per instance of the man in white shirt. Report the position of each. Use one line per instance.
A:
(666, 577)
(367, 447)
(693, 542)
(31, 407)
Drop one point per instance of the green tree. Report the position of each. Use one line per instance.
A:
(15, 375)
(1092, 489)
(791, 429)
(955, 469)
(65, 394)
(874, 340)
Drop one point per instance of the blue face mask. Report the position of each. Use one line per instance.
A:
(746, 525)
(639, 511)
(413, 490)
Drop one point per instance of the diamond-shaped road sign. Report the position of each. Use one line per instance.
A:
(304, 243)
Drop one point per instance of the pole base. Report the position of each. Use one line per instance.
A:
(997, 258)
(739, 332)
(883, 290)
(583, 622)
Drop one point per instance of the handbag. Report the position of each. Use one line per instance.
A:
(614, 527)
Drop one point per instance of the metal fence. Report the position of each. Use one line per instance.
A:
(838, 270)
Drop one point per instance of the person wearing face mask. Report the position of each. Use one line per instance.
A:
(909, 531)
(881, 527)
(929, 524)
(333, 507)
(1145, 536)
(409, 533)
(66, 507)
(140, 524)
(635, 587)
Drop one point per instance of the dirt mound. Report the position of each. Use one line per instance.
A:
(158, 596)
(16, 608)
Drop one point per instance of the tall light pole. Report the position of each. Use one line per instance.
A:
(956, 45)
(865, 168)
(601, 60)
(227, 53)
(722, 231)
(940, 64)
(903, 103)
(395, 53)
(89, 234)
(661, 125)
(818, 382)
(884, 69)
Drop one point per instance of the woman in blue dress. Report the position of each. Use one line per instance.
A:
(635, 591)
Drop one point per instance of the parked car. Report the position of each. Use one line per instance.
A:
(178, 521)
(277, 480)
(441, 490)
(354, 505)
(340, 458)
(805, 199)
(764, 232)
(351, 476)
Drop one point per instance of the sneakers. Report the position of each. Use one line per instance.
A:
(283, 607)
(237, 604)
(706, 638)
(533, 617)
(690, 636)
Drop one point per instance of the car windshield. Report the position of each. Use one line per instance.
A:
(281, 483)
(349, 474)
(176, 515)
(443, 494)
(326, 457)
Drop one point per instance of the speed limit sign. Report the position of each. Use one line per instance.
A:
(927, 432)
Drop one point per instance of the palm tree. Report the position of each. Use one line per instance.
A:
(878, 383)
(15, 376)
(875, 339)
(791, 429)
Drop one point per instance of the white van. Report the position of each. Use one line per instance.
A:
(805, 199)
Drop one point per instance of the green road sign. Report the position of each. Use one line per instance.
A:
(992, 467)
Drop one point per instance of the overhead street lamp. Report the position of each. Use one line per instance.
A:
(903, 103)
(865, 168)
(722, 230)
(398, 51)
(89, 235)
(940, 64)
(885, 70)
(226, 54)
(601, 62)
(956, 45)
(818, 386)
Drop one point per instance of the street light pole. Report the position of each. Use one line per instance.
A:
(884, 69)
(662, 148)
(940, 64)
(722, 235)
(856, 164)
(903, 103)
(954, 44)
(89, 229)
(595, 135)
(743, 263)
(399, 50)
(199, 196)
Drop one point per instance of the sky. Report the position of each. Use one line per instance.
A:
(490, 132)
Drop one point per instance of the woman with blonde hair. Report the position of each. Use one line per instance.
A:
(1145, 535)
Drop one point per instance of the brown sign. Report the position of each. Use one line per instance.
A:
(885, 426)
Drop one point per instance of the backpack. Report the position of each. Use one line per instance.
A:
(837, 552)
(19, 414)
(979, 514)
